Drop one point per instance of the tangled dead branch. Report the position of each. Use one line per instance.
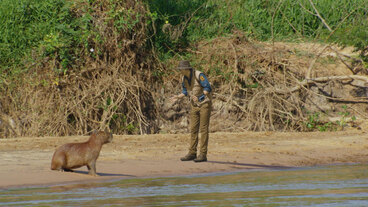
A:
(268, 87)
(105, 90)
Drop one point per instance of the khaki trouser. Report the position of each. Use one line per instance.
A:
(199, 121)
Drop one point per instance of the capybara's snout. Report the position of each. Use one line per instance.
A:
(110, 138)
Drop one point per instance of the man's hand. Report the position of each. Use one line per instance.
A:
(174, 99)
(194, 98)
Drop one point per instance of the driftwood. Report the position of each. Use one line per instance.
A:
(320, 79)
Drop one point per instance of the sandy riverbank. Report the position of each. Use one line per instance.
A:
(26, 161)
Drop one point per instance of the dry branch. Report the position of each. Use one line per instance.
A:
(320, 79)
(308, 75)
(102, 92)
(317, 14)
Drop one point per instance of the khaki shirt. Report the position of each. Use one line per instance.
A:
(193, 85)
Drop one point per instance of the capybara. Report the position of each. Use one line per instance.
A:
(75, 155)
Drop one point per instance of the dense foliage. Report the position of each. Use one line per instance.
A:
(51, 28)
(61, 60)
(47, 28)
(346, 21)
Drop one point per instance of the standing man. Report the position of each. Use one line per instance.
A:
(201, 103)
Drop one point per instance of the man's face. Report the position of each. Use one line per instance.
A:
(185, 72)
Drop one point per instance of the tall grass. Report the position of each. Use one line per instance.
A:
(51, 28)
(286, 17)
(46, 27)
(270, 19)
(173, 13)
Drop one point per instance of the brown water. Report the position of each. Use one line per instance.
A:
(344, 185)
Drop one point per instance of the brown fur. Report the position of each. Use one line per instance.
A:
(75, 155)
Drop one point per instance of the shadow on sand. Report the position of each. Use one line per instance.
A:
(251, 165)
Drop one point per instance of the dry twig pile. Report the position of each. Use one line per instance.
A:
(280, 86)
(107, 87)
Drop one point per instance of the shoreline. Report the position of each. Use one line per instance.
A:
(92, 181)
(25, 162)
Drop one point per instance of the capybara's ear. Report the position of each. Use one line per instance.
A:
(93, 132)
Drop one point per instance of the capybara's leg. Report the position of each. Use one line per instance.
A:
(92, 168)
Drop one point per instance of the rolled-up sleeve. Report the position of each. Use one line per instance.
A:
(204, 83)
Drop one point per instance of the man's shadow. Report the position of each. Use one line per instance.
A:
(251, 165)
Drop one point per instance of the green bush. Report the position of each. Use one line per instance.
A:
(262, 20)
(53, 28)
(285, 18)
(47, 27)
(175, 13)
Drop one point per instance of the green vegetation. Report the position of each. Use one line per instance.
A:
(345, 117)
(93, 51)
(55, 52)
(314, 121)
(33, 29)
(263, 20)
(52, 28)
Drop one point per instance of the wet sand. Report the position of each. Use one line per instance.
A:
(26, 161)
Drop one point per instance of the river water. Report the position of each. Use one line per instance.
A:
(341, 185)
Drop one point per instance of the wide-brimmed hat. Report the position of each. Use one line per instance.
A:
(184, 64)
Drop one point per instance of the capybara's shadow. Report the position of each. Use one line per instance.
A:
(250, 165)
(104, 174)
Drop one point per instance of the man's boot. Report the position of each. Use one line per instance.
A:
(188, 157)
(201, 158)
